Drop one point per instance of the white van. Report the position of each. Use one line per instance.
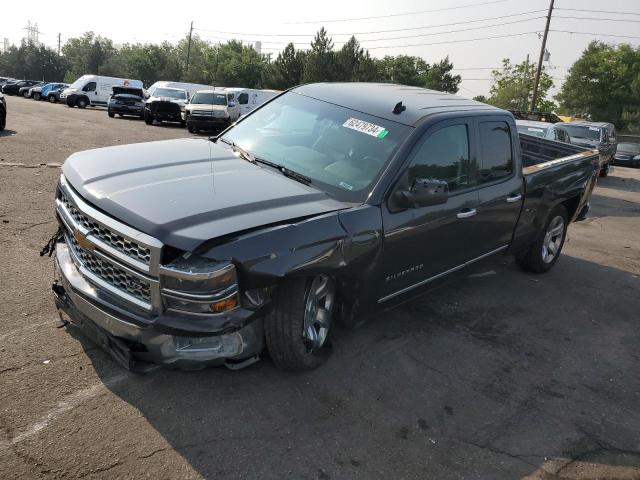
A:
(92, 90)
(191, 88)
(249, 98)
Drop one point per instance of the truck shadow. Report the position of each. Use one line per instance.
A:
(485, 377)
(7, 133)
(620, 183)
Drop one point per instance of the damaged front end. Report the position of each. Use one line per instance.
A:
(113, 283)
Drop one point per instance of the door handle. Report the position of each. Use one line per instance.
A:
(514, 198)
(467, 213)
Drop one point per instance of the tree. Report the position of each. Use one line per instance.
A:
(480, 98)
(512, 87)
(320, 64)
(287, 70)
(87, 54)
(33, 61)
(438, 77)
(604, 83)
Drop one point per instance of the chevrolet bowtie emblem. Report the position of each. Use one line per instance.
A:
(82, 241)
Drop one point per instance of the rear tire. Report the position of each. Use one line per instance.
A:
(37, 97)
(604, 171)
(545, 251)
(52, 99)
(298, 325)
(111, 114)
(25, 94)
(3, 120)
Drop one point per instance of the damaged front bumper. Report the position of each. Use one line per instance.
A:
(134, 340)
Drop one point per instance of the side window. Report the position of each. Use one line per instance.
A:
(444, 155)
(497, 160)
(89, 87)
(243, 98)
(605, 137)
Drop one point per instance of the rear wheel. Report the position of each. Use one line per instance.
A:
(36, 96)
(545, 251)
(604, 171)
(3, 120)
(111, 114)
(52, 99)
(25, 94)
(298, 325)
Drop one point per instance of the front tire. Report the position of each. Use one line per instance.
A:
(298, 325)
(111, 114)
(81, 103)
(604, 171)
(545, 251)
(52, 99)
(36, 97)
(148, 118)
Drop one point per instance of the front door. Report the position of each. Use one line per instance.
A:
(501, 191)
(421, 244)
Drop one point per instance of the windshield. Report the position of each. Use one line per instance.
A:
(210, 98)
(79, 83)
(583, 131)
(170, 92)
(342, 151)
(528, 130)
(629, 148)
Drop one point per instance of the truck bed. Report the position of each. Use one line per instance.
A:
(541, 153)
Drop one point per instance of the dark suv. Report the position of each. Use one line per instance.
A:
(14, 88)
(600, 135)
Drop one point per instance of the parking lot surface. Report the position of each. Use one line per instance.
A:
(497, 375)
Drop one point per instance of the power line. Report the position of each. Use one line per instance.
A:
(477, 4)
(600, 19)
(596, 34)
(453, 41)
(598, 11)
(374, 31)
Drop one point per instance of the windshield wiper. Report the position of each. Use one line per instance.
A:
(241, 151)
(287, 172)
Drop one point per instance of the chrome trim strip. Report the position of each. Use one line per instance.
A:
(195, 276)
(195, 298)
(440, 275)
(154, 245)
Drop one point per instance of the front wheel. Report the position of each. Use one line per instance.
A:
(52, 99)
(148, 118)
(604, 171)
(545, 251)
(298, 325)
(81, 103)
(36, 96)
(111, 114)
(26, 94)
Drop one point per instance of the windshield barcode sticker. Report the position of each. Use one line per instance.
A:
(366, 127)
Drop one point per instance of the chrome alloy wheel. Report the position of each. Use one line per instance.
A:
(317, 312)
(552, 239)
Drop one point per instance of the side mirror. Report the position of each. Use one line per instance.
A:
(424, 192)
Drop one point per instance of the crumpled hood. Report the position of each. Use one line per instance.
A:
(184, 192)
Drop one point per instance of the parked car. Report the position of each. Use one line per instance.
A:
(190, 88)
(550, 131)
(628, 155)
(4, 80)
(25, 91)
(165, 105)
(248, 98)
(54, 95)
(126, 101)
(45, 90)
(324, 204)
(3, 112)
(600, 135)
(209, 109)
(12, 88)
(92, 90)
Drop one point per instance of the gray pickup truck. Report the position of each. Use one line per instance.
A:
(326, 203)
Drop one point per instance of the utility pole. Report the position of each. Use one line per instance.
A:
(59, 37)
(189, 47)
(534, 97)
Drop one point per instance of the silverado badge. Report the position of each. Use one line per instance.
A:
(82, 241)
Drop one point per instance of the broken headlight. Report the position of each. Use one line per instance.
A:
(195, 285)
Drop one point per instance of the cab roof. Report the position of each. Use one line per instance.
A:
(380, 99)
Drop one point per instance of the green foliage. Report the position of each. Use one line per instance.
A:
(512, 87)
(481, 98)
(230, 64)
(604, 85)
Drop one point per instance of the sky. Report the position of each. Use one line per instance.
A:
(431, 29)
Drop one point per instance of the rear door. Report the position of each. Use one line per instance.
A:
(422, 243)
(501, 188)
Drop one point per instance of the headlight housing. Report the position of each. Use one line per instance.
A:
(198, 286)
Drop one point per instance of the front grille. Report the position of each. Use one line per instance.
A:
(110, 273)
(129, 248)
